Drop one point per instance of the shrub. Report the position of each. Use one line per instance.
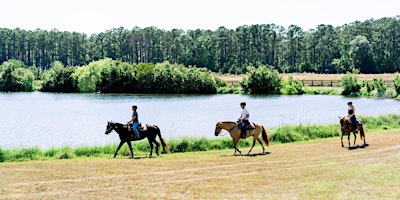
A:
(396, 84)
(262, 80)
(291, 86)
(350, 85)
(2, 157)
(380, 86)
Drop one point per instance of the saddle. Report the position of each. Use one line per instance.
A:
(249, 126)
(141, 127)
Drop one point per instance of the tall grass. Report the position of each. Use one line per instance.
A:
(281, 134)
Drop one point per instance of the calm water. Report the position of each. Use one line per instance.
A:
(50, 120)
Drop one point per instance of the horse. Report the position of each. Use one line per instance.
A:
(126, 135)
(347, 127)
(235, 132)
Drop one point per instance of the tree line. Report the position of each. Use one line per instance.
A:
(372, 46)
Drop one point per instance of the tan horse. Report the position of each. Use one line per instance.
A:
(346, 127)
(234, 130)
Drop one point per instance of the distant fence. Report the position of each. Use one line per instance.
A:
(333, 83)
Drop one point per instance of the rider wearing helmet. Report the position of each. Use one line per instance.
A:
(244, 117)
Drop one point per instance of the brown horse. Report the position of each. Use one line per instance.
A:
(126, 135)
(347, 127)
(235, 132)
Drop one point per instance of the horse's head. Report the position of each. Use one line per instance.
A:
(344, 123)
(218, 128)
(110, 127)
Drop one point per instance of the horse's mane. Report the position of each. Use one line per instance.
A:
(228, 121)
(117, 123)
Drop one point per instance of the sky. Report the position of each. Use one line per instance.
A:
(96, 16)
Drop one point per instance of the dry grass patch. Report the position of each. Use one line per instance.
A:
(309, 170)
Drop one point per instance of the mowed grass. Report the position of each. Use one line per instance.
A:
(318, 169)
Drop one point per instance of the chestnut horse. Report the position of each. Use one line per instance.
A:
(235, 132)
(126, 135)
(347, 127)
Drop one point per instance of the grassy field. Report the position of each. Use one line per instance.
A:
(319, 169)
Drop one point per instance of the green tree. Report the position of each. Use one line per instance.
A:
(360, 51)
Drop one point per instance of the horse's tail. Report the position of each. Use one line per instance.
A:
(164, 145)
(265, 136)
(362, 132)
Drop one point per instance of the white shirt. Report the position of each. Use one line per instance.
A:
(244, 113)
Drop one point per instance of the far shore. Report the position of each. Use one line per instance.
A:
(310, 76)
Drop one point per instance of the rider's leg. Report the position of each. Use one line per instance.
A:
(134, 127)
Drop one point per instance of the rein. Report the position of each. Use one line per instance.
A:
(228, 130)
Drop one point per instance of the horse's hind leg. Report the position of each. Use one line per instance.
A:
(355, 137)
(151, 147)
(157, 146)
(259, 141)
(348, 138)
(254, 143)
(130, 148)
(119, 146)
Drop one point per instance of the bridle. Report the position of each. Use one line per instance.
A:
(220, 128)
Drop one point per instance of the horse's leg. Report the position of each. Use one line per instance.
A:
(130, 148)
(341, 139)
(348, 138)
(151, 147)
(254, 143)
(157, 146)
(259, 141)
(119, 146)
(355, 137)
(235, 141)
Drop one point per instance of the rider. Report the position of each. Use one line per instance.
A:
(352, 115)
(244, 117)
(135, 121)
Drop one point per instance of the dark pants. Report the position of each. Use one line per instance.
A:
(354, 122)
(244, 125)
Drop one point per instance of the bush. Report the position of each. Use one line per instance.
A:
(396, 84)
(58, 79)
(291, 86)
(14, 77)
(2, 157)
(350, 85)
(380, 86)
(262, 80)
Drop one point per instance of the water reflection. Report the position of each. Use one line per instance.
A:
(54, 120)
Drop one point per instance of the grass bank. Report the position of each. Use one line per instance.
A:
(281, 134)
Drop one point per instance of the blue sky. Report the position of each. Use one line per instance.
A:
(95, 16)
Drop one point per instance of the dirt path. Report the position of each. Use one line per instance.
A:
(317, 169)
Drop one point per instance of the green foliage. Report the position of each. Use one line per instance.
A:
(65, 153)
(262, 80)
(117, 77)
(383, 122)
(58, 79)
(2, 158)
(88, 77)
(396, 84)
(286, 133)
(380, 86)
(291, 86)
(15, 77)
(350, 85)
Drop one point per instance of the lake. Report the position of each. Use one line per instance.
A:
(46, 120)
